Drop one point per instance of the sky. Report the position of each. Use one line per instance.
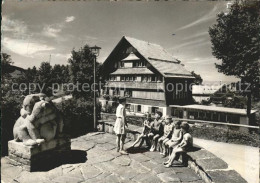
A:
(34, 30)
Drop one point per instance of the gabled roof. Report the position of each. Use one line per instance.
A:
(158, 57)
(151, 50)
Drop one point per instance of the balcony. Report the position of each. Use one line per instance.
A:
(134, 85)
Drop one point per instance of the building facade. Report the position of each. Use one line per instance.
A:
(214, 113)
(147, 75)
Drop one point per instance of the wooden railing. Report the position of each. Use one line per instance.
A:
(217, 123)
(202, 121)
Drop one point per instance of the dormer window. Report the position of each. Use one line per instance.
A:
(153, 78)
(139, 63)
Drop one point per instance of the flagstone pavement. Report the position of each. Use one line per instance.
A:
(103, 164)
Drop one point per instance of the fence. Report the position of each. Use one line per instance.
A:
(211, 130)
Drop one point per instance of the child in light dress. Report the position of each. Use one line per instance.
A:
(168, 127)
(120, 126)
(146, 130)
(176, 136)
(185, 145)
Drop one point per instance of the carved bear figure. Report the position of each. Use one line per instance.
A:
(39, 121)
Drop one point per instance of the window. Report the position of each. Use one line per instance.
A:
(122, 78)
(139, 108)
(112, 78)
(116, 92)
(128, 93)
(144, 78)
(127, 78)
(154, 109)
(127, 107)
(143, 63)
(159, 79)
(153, 78)
(139, 63)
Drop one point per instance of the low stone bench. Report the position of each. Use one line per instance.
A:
(33, 158)
(211, 168)
(208, 166)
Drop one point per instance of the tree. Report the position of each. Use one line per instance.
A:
(10, 103)
(45, 77)
(235, 41)
(198, 80)
(6, 62)
(81, 69)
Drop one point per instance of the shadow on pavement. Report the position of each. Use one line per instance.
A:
(66, 157)
(135, 150)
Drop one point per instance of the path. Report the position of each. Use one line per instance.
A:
(104, 164)
(243, 159)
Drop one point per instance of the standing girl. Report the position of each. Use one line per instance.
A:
(120, 126)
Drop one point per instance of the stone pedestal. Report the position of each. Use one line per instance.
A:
(33, 158)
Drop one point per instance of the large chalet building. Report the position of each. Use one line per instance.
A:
(147, 75)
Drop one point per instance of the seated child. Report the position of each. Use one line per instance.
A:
(185, 145)
(168, 127)
(146, 130)
(156, 130)
(176, 135)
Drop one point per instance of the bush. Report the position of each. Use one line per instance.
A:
(221, 134)
(10, 111)
(109, 109)
(78, 115)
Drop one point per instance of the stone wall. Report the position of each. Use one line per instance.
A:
(214, 132)
(208, 166)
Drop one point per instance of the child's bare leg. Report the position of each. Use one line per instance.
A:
(137, 140)
(164, 146)
(150, 136)
(148, 143)
(173, 156)
(122, 141)
(141, 143)
(160, 144)
(118, 142)
(155, 139)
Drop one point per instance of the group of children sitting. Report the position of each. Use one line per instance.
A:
(172, 137)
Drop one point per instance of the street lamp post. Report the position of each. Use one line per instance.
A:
(95, 50)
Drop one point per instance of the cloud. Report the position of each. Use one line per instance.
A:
(70, 19)
(24, 47)
(202, 61)
(52, 30)
(209, 16)
(16, 28)
(200, 34)
(61, 55)
(197, 42)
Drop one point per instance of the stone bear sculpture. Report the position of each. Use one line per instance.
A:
(40, 121)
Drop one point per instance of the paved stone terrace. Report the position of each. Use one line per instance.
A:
(103, 164)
